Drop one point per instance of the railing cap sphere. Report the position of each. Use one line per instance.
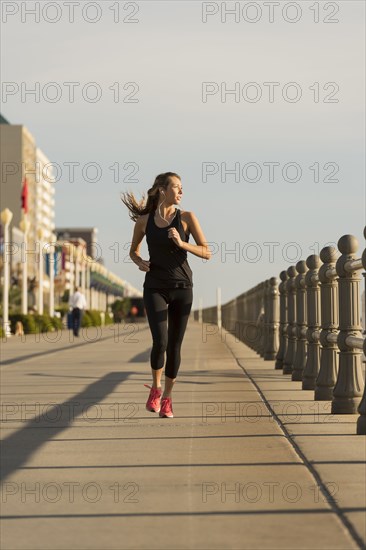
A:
(348, 244)
(273, 281)
(291, 271)
(328, 255)
(313, 261)
(301, 266)
(283, 275)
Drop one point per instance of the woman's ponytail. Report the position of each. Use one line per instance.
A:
(142, 207)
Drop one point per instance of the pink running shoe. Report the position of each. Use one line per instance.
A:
(166, 409)
(153, 402)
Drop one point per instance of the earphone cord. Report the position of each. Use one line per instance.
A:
(162, 217)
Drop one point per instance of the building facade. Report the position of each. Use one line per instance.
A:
(76, 260)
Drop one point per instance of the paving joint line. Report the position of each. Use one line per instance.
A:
(328, 496)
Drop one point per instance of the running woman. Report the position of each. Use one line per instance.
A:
(167, 289)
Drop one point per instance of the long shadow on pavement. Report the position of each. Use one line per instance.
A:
(19, 446)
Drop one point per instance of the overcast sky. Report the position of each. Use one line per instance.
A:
(161, 70)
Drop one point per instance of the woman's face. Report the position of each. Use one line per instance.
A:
(174, 191)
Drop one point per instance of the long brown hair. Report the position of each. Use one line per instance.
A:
(136, 208)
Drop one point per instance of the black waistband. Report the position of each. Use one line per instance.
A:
(182, 285)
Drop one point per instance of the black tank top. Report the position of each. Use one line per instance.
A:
(169, 267)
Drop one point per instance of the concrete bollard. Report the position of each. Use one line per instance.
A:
(361, 409)
(271, 319)
(312, 366)
(283, 321)
(266, 317)
(348, 389)
(301, 316)
(361, 421)
(288, 361)
(327, 376)
(257, 306)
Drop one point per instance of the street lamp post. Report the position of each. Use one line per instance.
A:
(40, 271)
(51, 250)
(24, 227)
(218, 294)
(87, 284)
(6, 217)
(72, 267)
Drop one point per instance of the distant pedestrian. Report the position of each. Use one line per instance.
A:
(77, 303)
(168, 292)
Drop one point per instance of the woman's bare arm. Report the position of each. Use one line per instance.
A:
(138, 235)
(200, 249)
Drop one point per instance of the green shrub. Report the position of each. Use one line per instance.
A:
(43, 323)
(33, 324)
(56, 323)
(87, 320)
(28, 321)
(37, 323)
(108, 318)
(95, 317)
(63, 309)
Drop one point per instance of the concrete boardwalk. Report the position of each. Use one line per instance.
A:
(249, 461)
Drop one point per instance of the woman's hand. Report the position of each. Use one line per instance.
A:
(173, 234)
(144, 265)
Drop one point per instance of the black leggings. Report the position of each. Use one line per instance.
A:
(172, 305)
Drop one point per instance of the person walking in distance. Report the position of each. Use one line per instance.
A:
(77, 304)
(168, 284)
